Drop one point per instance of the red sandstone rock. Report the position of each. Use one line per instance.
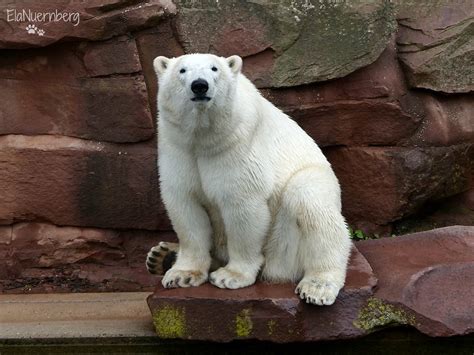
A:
(435, 44)
(49, 91)
(48, 258)
(429, 275)
(108, 109)
(98, 20)
(426, 281)
(116, 56)
(448, 120)
(263, 312)
(69, 181)
(382, 184)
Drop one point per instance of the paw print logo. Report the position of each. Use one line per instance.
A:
(31, 29)
(40, 32)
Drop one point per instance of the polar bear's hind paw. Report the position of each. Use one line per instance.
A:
(317, 291)
(161, 258)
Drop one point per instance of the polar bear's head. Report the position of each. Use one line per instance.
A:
(196, 81)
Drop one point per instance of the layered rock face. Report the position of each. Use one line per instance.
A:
(385, 89)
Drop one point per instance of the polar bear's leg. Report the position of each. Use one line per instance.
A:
(246, 225)
(324, 245)
(193, 260)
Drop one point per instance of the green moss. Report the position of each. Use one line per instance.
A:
(271, 326)
(170, 322)
(243, 323)
(377, 313)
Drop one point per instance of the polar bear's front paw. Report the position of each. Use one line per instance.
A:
(317, 291)
(226, 278)
(183, 278)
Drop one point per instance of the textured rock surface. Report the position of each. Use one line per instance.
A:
(59, 93)
(448, 120)
(41, 257)
(359, 109)
(382, 184)
(264, 312)
(96, 20)
(430, 275)
(297, 33)
(69, 181)
(410, 270)
(435, 44)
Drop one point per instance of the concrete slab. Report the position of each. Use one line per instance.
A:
(77, 315)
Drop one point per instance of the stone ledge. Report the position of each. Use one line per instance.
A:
(80, 315)
(410, 270)
(263, 312)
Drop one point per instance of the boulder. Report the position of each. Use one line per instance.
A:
(383, 184)
(362, 108)
(410, 270)
(262, 311)
(295, 42)
(427, 276)
(72, 20)
(435, 44)
(69, 181)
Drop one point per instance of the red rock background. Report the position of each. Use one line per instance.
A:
(391, 105)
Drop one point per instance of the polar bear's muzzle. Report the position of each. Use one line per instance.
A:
(200, 87)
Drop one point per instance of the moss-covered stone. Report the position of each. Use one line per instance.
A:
(311, 40)
(435, 44)
(243, 323)
(377, 313)
(170, 322)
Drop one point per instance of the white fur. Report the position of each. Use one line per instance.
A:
(243, 184)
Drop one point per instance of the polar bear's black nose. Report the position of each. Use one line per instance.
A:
(199, 86)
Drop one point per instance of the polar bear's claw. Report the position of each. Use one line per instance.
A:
(317, 291)
(161, 257)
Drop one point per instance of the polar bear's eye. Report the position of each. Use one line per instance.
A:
(214, 69)
(182, 71)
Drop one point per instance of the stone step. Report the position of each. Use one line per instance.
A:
(76, 315)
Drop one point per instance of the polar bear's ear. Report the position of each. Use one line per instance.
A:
(235, 63)
(160, 64)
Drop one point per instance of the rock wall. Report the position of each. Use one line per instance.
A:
(384, 87)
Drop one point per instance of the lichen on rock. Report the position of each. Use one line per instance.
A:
(170, 322)
(377, 313)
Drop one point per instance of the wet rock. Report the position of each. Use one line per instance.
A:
(428, 277)
(435, 44)
(69, 181)
(263, 311)
(95, 20)
(310, 42)
(383, 184)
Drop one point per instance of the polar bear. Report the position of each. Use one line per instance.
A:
(248, 192)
